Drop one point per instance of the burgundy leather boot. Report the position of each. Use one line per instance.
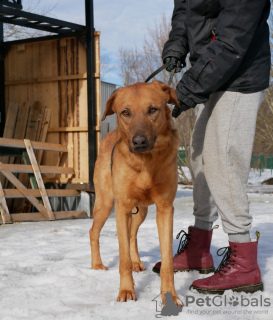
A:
(193, 252)
(238, 271)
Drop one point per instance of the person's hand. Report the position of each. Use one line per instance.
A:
(175, 63)
(177, 110)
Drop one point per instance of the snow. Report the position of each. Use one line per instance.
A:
(257, 177)
(45, 270)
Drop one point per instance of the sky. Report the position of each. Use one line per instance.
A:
(122, 23)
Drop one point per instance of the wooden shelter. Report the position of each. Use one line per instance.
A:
(53, 82)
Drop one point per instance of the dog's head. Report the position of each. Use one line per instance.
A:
(142, 113)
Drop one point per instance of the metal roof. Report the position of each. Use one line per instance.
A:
(16, 16)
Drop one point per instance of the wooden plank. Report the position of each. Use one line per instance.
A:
(72, 158)
(23, 190)
(75, 102)
(68, 129)
(22, 119)
(83, 117)
(9, 130)
(21, 168)
(31, 133)
(44, 130)
(40, 124)
(52, 102)
(98, 92)
(6, 218)
(63, 89)
(60, 215)
(31, 176)
(13, 193)
(11, 120)
(49, 79)
(63, 159)
(20, 130)
(21, 125)
(33, 121)
(66, 180)
(14, 143)
(39, 178)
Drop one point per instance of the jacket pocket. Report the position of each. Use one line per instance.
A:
(199, 67)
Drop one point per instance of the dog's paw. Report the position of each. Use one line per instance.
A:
(126, 295)
(138, 266)
(99, 266)
(177, 301)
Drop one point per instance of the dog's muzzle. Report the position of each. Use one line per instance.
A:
(140, 143)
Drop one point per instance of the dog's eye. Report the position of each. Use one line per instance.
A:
(125, 113)
(152, 110)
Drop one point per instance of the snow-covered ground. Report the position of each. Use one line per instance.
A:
(45, 270)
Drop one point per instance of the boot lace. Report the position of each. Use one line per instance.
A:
(183, 244)
(227, 260)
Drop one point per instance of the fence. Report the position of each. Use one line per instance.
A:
(262, 162)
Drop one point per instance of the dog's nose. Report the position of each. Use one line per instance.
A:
(140, 141)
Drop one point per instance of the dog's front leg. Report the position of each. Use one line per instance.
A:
(136, 222)
(123, 219)
(164, 219)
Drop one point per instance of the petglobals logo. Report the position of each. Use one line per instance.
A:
(224, 301)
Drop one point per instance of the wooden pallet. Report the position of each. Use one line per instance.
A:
(42, 205)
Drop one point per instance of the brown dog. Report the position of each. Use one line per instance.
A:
(137, 166)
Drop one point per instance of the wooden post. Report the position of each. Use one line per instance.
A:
(98, 89)
(3, 207)
(39, 178)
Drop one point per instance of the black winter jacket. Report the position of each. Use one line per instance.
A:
(228, 42)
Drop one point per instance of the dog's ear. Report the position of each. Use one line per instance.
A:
(171, 96)
(109, 104)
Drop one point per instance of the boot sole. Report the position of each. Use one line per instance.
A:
(251, 288)
(202, 271)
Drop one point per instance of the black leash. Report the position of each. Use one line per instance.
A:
(165, 66)
(112, 156)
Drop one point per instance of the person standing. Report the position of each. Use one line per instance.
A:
(229, 52)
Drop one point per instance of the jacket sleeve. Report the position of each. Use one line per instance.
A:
(177, 45)
(235, 29)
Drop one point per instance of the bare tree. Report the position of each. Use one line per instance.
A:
(105, 66)
(13, 32)
(131, 63)
(137, 64)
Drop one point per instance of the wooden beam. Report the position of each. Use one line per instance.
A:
(68, 129)
(13, 193)
(39, 178)
(60, 215)
(21, 168)
(47, 79)
(50, 79)
(66, 180)
(23, 190)
(14, 143)
(4, 208)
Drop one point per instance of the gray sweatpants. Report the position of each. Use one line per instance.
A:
(221, 149)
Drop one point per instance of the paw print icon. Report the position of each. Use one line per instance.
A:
(234, 301)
